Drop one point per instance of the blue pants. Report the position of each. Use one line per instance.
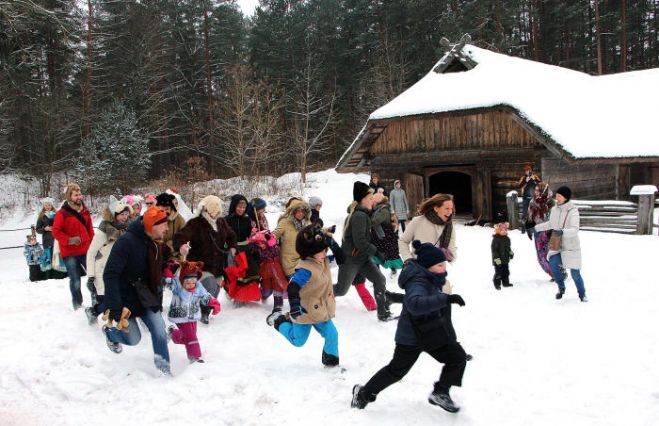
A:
(75, 266)
(298, 334)
(555, 264)
(156, 325)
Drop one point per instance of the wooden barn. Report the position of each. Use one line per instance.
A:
(471, 124)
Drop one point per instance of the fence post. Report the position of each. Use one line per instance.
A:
(513, 209)
(645, 208)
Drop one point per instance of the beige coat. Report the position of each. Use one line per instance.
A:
(286, 233)
(317, 296)
(175, 223)
(99, 251)
(565, 217)
(420, 228)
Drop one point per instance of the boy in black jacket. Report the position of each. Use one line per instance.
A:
(424, 326)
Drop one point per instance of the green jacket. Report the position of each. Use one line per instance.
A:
(357, 235)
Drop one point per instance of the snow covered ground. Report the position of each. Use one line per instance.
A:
(536, 360)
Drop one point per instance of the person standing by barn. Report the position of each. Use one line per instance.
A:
(526, 186)
(398, 201)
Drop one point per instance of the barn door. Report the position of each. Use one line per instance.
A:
(413, 185)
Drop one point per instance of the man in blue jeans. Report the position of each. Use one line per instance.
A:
(133, 280)
(73, 230)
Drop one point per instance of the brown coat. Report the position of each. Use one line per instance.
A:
(175, 223)
(317, 295)
(207, 245)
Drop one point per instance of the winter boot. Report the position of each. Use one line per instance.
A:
(279, 303)
(359, 398)
(329, 360)
(114, 347)
(276, 319)
(205, 312)
(560, 293)
(442, 399)
(384, 314)
(195, 359)
(393, 297)
(366, 297)
(505, 282)
(92, 316)
(497, 285)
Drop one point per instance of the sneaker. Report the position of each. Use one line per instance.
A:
(443, 400)
(170, 331)
(194, 360)
(358, 401)
(583, 298)
(114, 347)
(91, 315)
(276, 319)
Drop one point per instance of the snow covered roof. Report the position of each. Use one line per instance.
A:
(586, 116)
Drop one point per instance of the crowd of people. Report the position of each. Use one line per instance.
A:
(144, 246)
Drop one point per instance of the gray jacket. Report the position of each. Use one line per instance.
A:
(398, 201)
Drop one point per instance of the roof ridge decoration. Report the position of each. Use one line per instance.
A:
(455, 52)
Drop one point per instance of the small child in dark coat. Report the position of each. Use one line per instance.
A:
(501, 255)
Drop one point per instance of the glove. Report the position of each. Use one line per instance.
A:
(170, 269)
(529, 233)
(497, 261)
(331, 229)
(512, 254)
(448, 253)
(455, 298)
(558, 232)
(215, 304)
(74, 241)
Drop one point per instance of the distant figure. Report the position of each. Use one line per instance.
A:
(175, 222)
(316, 203)
(526, 186)
(501, 255)
(398, 201)
(376, 185)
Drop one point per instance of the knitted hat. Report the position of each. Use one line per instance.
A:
(310, 240)
(70, 189)
(427, 254)
(153, 216)
(315, 201)
(565, 192)
(117, 207)
(190, 269)
(212, 204)
(360, 190)
(47, 201)
(150, 198)
(258, 203)
(166, 200)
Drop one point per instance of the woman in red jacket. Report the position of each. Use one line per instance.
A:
(74, 231)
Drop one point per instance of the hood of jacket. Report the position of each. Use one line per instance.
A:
(235, 199)
(296, 204)
(137, 228)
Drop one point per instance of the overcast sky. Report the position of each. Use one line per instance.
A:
(248, 6)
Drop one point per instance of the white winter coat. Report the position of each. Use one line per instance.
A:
(420, 228)
(98, 253)
(566, 217)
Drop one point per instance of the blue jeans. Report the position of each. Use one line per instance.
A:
(75, 265)
(555, 264)
(156, 325)
(298, 334)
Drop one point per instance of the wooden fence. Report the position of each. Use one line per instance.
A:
(623, 217)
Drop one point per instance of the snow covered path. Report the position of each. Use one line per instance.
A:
(536, 360)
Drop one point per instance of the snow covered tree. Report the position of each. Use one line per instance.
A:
(116, 156)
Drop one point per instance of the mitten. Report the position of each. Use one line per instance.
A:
(170, 269)
(558, 232)
(497, 261)
(512, 254)
(455, 298)
(331, 229)
(74, 241)
(215, 304)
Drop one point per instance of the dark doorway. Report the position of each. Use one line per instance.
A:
(455, 183)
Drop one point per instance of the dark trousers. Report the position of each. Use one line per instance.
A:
(402, 224)
(351, 269)
(452, 356)
(501, 275)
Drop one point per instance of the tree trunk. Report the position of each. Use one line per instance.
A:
(209, 87)
(598, 37)
(623, 42)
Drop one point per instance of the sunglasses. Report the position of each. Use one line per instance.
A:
(150, 204)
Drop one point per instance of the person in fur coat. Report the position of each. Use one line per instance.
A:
(185, 309)
(210, 239)
(311, 297)
(115, 221)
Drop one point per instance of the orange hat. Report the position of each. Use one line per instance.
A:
(190, 269)
(153, 216)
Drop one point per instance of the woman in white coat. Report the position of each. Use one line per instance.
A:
(564, 221)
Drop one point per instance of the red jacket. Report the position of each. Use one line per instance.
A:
(70, 223)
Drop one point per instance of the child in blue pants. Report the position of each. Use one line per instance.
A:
(311, 297)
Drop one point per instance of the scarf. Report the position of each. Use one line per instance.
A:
(210, 220)
(299, 224)
(445, 238)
